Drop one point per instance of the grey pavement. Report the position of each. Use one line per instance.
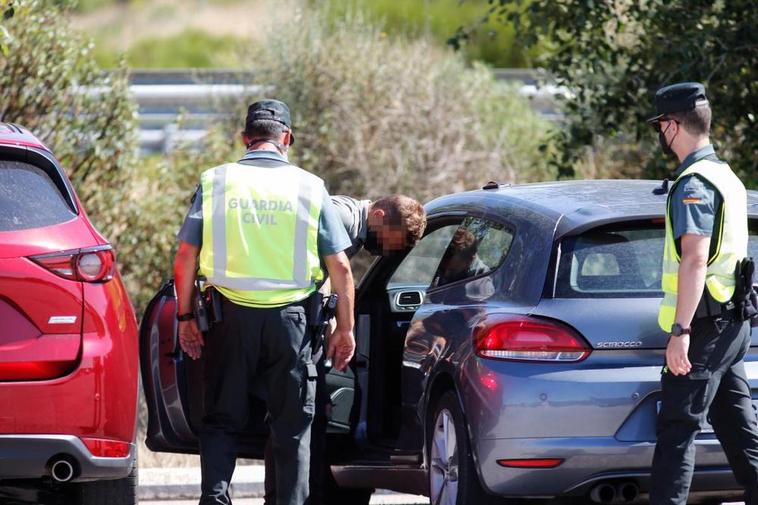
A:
(181, 486)
(389, 499)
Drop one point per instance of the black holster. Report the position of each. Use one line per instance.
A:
(745, 296)
(320, 311)
(207, 306)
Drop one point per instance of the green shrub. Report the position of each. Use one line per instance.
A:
(376, 115)
(492, 42)
(188, 49)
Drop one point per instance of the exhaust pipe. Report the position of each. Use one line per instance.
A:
(603, 493)
(62, 469)
(628, 492)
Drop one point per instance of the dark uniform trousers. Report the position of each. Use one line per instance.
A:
(319, 470)
(716, 389)
(272, 344)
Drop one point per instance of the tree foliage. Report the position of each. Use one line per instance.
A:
(51, 85)
(376, 115)
(614, 54)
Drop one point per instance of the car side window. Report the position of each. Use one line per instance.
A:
(419, 266)
(478, 247)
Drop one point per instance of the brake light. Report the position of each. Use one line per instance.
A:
(91, 264)
(102, 448)
(528, 339)
(530, 463)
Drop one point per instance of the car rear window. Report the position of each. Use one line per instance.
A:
(608, 262)
(29, 198)
(618, 262)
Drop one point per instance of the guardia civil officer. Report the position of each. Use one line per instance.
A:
(383, 227)
(706, 237)
(260, 229)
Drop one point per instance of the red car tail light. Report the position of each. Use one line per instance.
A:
(101, 448)
(530, 463)
(91, 264)
(527, 339)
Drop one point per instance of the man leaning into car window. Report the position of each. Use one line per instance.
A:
(383, 227)
(706, 238)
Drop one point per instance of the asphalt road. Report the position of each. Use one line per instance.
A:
(386, 499)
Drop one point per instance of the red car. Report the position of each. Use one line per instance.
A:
(68, 340)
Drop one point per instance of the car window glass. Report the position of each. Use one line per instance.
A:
(615, 262)
(29, 198)
(477, 247)
(418, 267)
(752, 245)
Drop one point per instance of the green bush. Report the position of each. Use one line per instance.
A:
(160, 194)
(188, 49)
(376, 115)
(491, 42)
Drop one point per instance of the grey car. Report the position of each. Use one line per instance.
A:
(513, 354)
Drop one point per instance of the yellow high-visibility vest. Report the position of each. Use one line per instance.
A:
(731, 241)
(260, 233)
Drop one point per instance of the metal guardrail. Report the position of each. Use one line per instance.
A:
(163, 95)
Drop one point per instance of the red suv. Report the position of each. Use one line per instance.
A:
(68, 340)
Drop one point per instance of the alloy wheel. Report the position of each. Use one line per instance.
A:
(443, 472)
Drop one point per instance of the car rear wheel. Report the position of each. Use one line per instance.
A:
(111, 492)
(453, 479)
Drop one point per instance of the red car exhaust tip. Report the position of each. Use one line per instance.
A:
(530, 463)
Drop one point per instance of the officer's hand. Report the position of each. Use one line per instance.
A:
(677, 360)
(190, 338)
(340, 348)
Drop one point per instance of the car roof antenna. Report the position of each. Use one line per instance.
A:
(663, 189)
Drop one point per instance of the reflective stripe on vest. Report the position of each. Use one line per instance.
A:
(260, 233)
(731, 242)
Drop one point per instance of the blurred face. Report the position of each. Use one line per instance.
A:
(384, 239)
(392, 238)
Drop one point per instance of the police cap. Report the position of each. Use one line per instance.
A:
(272, 110)
(679, 97)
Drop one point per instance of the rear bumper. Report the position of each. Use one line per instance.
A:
(588, 462)
(27, 457)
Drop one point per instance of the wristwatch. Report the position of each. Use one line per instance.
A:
(678, 331)
(185, 317)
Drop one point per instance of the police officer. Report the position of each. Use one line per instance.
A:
(706, 237)
(383, 227)
(261, 228)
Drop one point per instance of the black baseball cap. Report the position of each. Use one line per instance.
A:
(679, 97)
(272, 110)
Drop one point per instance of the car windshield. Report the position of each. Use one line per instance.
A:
(29, 198)
(618, 261)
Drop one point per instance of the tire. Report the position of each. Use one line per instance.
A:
(110, 492)
(453, 479)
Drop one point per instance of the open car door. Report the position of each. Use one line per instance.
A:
(174, 388)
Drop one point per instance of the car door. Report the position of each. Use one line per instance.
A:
(389, 295)
(174, 388)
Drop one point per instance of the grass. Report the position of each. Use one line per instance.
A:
(188, 49)
(493, 42)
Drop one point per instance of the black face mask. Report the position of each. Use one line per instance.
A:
(665, 146)
(372, 244)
